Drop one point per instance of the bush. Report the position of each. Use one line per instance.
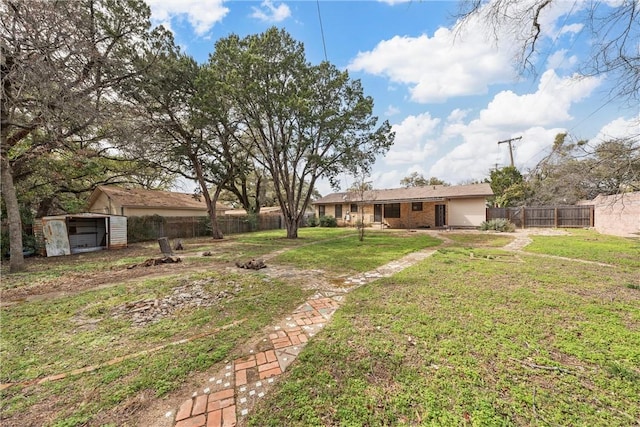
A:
(328, 221)
(312, 222)
(498, 224)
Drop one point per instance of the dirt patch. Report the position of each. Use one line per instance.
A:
(73, 283)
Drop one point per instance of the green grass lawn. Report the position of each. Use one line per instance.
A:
(493, 339)
(591, 246)
(473, 335)
(349, 255)
(63, 333)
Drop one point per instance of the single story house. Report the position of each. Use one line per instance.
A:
(142, 202)
(433, 206)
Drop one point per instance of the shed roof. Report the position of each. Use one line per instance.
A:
(411, 194)
(143, 198)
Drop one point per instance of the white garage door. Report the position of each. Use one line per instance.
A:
(466, 212)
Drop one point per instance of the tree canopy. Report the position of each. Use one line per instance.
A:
(415, 179)
(61, 63)
(298, 121)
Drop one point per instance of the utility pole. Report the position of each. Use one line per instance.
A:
(509, 141)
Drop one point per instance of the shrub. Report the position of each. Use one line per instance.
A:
(498, 224)
(312, 222)
(328, 221)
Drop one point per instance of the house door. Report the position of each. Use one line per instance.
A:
(441, 215)
(377, 213)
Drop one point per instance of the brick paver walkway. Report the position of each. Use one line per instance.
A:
(231, 393)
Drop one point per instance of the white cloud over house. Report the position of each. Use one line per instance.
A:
(412, 142)
(471, 140)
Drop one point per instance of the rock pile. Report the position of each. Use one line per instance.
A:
(254, 264)
(194, 295)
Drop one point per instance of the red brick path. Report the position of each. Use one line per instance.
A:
(234, 390)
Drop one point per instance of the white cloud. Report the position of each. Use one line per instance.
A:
(618, 129)
(440, 67)
(457, 116)
(412, 143)
(201, 14)
(560, 60)
(392, 110)
(548, 105)
(537, 117)
(269, 12)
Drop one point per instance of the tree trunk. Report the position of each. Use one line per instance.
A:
(292, 228)
(213, 217)
(16, 262)
(216, 233)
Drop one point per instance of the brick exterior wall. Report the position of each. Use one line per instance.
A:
(426, 218)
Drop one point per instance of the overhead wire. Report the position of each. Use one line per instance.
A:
(324, 45)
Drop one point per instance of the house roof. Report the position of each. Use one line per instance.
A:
(263, 210)
(410, 194)
(143, 198)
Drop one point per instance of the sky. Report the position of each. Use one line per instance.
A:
(450, 96)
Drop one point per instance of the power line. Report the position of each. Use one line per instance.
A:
(324, 46)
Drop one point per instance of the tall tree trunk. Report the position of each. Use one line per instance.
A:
(216, 233)
(213, 216)
(16, 262)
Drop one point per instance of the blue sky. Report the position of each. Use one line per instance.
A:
(449, 96)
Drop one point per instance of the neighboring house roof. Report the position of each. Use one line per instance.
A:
(143, 198)
(411, 194)
(263, 210)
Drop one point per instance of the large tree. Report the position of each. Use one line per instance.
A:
(60, 63)
(613, 29)
(300, 122)
(178, 136)
(509, 187)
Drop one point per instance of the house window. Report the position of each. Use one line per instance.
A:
(416, 206)
(354, 207)
(338, 211)
(392, 210)
(320, 210)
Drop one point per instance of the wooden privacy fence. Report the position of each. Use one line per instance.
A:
(153, 227)
(545, 216)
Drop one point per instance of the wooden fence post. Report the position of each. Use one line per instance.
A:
(555, 217)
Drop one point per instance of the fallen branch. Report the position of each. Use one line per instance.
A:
(547, 368)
